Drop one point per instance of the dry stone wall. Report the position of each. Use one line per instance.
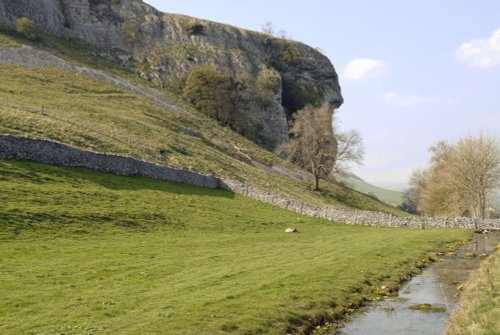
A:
(368, 218)
(24, 148)
(50, 152)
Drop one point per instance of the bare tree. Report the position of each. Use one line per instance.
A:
(460, 179)
(476, 169)
(440, 151)
(350, 150)
(436, 188)
(313, 144)
(269, 28)
(412, 198)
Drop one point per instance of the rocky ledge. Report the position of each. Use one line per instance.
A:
(272, 77)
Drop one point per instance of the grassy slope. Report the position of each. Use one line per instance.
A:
(91, 253)
(89, 114)
(479, 308)
(394, 198)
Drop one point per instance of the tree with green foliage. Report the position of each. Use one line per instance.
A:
(313, 144)
(27, 27)
(209, 89)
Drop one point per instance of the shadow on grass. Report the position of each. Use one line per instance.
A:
(107, 180)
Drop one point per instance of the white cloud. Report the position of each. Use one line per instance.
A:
(483, 53)
(392, 98)
(361, 68)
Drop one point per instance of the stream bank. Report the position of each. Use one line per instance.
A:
(423, 305)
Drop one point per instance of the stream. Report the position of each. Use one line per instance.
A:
(436, 285)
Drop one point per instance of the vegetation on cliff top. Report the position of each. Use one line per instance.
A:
(85, 252)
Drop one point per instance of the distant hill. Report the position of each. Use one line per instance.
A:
(393, 198)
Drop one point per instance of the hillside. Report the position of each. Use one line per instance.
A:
(268, 78)
(393, 198)
(91, 253)
(83, 100)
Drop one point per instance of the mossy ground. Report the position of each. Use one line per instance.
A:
(91, 253)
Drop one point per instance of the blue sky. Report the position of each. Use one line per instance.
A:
(412, 72)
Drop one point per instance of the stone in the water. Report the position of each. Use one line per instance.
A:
(428, 308)
(469, 255)
(291, 230)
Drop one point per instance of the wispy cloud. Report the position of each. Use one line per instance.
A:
(483, 53)
(361, 68)
(392, 98)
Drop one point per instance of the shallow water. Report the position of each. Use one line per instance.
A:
(436, 285)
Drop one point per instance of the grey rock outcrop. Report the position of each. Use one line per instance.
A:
(164, 48)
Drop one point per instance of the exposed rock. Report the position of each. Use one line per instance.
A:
(470, 255)
(291, 230)
(428, 308)
(164, 48)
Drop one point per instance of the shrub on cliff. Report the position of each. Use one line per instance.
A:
(268, 82)
(27, 28)
(209, 89)
(130, 31)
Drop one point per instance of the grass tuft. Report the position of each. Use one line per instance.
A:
(478, 311)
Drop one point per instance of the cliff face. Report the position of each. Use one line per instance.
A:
(273, 77)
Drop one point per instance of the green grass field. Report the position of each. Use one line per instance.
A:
(83, 252)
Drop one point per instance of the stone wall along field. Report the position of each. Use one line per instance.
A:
(368, 218)
(24, 148)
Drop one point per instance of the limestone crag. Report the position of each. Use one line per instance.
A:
(164, 48)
